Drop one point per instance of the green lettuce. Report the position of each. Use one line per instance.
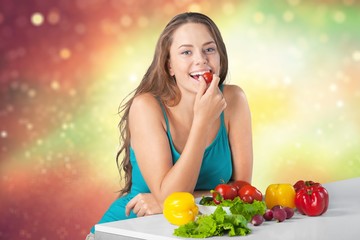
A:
(248, 210)
(237, 206)
(215, 224)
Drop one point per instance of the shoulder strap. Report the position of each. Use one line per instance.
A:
(222, 113)
(164, 113)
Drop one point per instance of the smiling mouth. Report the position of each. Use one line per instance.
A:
(198, 74)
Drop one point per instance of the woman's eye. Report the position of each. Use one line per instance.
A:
(210, 50)
(187, 52)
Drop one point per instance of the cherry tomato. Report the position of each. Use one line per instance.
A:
(208, 77)
(226, 191)
(247, 198)
(239, 184)
(249, 190)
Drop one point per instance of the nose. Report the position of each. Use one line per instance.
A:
(201, 58)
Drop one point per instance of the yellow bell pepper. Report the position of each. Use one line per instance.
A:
(280, 194)
(180, 208)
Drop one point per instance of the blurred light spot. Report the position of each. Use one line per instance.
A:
(72, 92)
(63, 135)
(37, 19)
(31, 93)
(108, 27)
(64, 126)
(143, 22)
(339, 103)
(324, 38)
(24, 87)
(294, 2)
(317, 106)
(129, 50)
(294, 51)
(343, 77)
(65, 53)
(319, 131)
(16, 53)
(333, 87)
(259, 17)
(228, 8)
(169, 9)
(126, 21)
(3, 134)
(80, 28)
(348, 2)
(68, 165)
(53, 17)
(133, 78)
(339, 17)
(55, 85)
(288, 16)
(356, 56)
(39, 142)
(29, 126)
(194, 8)
(287, 80)
(1, 18)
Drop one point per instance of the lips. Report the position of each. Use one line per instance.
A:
(197, 74)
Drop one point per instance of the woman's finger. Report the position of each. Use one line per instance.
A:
(214, 83)
(142, 211)
(131, 204)
(202, 88)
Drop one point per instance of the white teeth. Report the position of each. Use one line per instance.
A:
(198, 73)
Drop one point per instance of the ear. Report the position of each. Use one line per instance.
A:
(170, 68)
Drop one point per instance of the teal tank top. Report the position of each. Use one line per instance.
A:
(216, 166)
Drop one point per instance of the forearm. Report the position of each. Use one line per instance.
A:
(184, 174)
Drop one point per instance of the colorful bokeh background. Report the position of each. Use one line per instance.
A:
(66, 65)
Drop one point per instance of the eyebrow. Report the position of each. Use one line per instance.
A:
(190, 45)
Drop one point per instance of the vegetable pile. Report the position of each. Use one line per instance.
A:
(247, 205)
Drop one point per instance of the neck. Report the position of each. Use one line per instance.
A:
(184, 110)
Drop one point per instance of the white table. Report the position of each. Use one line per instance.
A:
(341, 221)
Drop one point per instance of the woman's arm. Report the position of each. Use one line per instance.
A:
(238, 119)
(151, 145)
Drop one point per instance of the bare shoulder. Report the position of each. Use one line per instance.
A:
(145, 106)
(234, 95)
(237, 111)
(145, 100)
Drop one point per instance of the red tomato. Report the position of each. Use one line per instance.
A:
(226, 191)
(239, 184)
(249, 193)
(247, 198)
(208, 77)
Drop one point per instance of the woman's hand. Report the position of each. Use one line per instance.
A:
(143, 204)
(209, 102)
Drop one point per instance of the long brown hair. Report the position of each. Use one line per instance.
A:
(158, 81)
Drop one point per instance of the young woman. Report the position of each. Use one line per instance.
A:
(179, 132)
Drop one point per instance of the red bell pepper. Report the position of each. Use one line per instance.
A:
(301, 184)
(312, 201)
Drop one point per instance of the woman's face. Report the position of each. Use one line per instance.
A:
(192, 52)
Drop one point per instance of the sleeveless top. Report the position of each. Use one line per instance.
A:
(216, 166)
